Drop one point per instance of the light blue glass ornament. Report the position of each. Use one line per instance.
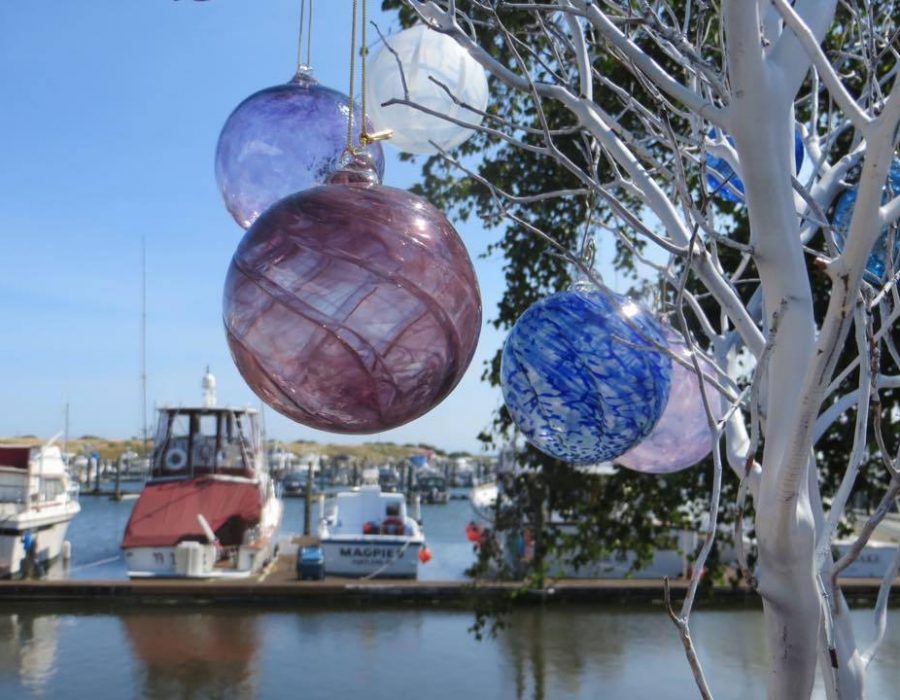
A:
(581, 376)
(282, 140)
(722, 179)
(877, 264)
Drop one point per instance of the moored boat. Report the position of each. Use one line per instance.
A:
(432, 486)
(369, 534)
(37, 502)
(209, 509)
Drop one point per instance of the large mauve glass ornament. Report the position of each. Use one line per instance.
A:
(352, 307)
(681, 438)
(282, 140)
(581, 376)
(424, 54)
(722, 179)
(877, 264)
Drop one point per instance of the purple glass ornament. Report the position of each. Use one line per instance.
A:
(282, 140)
(681, 438)
(352, 307)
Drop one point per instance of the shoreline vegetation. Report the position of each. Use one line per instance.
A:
(369, 452)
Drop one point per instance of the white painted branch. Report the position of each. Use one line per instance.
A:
(789, 58)
(598, 125)
(889, 212)
(839, 502)
(845, 403)
(784, 521)
(665, 82)
(884, 505)
(881, 604)
(581, 53)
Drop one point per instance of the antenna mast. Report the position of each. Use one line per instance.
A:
(144, 342)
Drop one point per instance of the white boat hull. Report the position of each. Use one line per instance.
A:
(200, 561)
(376, 556)
(873, 561)
(49, 527)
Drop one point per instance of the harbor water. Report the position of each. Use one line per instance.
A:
(100, 651)
(557, 652)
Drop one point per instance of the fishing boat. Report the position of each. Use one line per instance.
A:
(431, 486)
(37, 502)
(368, 534)
(209, 509)
(294, 484)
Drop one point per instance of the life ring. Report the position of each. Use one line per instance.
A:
(176, 459)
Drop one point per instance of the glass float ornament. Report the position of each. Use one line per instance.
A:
(681, 438)
(282, 140)
(722, 179)
(424, 54)
(581, 377)
(352, 307)
(877, 264)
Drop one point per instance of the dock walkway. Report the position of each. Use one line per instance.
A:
(278, 585)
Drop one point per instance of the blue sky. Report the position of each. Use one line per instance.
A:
(109, 119)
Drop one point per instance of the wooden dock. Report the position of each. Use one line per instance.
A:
(278, 586)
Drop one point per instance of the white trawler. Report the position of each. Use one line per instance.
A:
(369, 534)
(209, 509)
(37, 502)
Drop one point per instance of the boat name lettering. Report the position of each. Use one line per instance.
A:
(370, 552)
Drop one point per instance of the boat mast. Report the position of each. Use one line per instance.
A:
(144, 343)
(66, 435)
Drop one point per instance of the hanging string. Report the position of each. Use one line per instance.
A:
(363, 127)
(365, 138)
(352, 79)
(309, 33)
(300, 37)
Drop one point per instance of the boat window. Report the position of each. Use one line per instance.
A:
(181, 426)
(247, 423)
(207, 425)
(51, 489)
(12, 490)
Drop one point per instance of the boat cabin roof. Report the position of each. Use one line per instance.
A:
(46, 459)
(209, 410)
(15, 456)
(368, 504)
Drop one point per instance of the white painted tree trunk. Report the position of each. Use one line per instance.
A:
(768, 49)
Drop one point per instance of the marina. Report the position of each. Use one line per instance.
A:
(557, 344)
(97, 573)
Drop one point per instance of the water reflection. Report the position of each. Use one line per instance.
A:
(568, 652)
(544, 646)
(579, 652)
(194, 654)
(28, 647)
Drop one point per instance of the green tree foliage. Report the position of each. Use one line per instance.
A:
(625, 512)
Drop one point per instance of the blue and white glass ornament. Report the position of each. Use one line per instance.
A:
(722, 179)
(582, 377)
(877, 264)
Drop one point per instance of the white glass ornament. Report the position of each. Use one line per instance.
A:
(424, 54)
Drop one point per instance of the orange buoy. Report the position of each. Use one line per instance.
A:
(424, 555)
(473, 532)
